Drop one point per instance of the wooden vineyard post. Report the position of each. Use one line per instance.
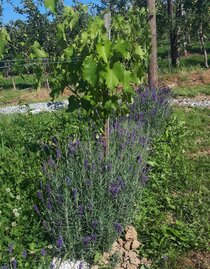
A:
(107, 20)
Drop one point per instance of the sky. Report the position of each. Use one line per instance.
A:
(9, 14)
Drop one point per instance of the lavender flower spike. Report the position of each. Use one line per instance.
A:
(59, 242)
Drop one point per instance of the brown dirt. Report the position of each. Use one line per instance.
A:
(201, 77)
(195, 260)
(29, 96)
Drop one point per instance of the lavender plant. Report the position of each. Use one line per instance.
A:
(88, 198)
(152, 108)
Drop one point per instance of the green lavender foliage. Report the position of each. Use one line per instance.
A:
(89, 198)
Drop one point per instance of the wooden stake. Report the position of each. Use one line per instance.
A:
(107, 21)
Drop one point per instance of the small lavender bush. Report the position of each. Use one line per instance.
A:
(151, 107)
(89, 198)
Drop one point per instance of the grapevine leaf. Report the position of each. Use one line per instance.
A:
(51, 5)
(139, 51)
(38, 52)
(68, 52)
(122, 47)
(4, 38)
(89, 70)
(104, 51)
(61, 33)
(111, 79)
(118, 69)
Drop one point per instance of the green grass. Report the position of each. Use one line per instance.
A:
(20, 82)
(188, 91)
(192, 62)
(174, 215)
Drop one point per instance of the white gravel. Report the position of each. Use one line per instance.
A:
(69, 264)
(190, 102)
(34, 108)
(53, 106)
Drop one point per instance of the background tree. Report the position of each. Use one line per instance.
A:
(152, 71)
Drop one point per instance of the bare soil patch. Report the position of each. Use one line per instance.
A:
(195, 260)
(186, 79)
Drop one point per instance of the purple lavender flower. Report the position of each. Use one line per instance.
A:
(93, 237)
(74, 193)
(68, 181)
(118, 228)
(48, 188)
(73, 146)
(114, 189)
(43, 252)
(80, 210)
(59, 242)
(52, 265)
(94, 223)
(4, 266)
(10, 248)
(80, 265)
(86, 165)
(14, 264)
(58, 154)
(116, 186)
(49, 204)
(89, 239)
(36, 209)
(86, 240)
(24, 253)
(51, 162)
(39, 195)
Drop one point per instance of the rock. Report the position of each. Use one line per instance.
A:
(131, 233)
(124, 265)
(131, 266)
(127, 245)
(136, 261)
(120, 242)
(136, 244)
(105, 258)
(115, 248)
(95, 267)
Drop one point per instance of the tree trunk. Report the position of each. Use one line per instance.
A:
(202, 38)
(152, 71)
(174, 36)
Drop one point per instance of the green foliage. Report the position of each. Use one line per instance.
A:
(4, 39)
(88, 200)
(99, 72)
(21, 140)
(170, 221)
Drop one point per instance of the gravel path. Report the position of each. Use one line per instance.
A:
(53, 106)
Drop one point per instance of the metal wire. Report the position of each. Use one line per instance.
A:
(36, 59)
(35, 63)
